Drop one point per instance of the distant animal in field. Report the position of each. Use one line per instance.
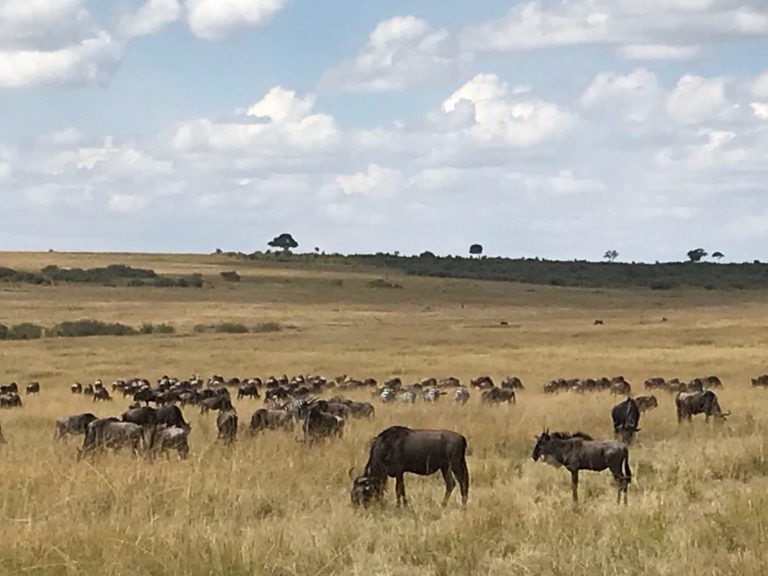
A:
(626, 418)
(162, 439)
(646, 403)
(580, 452)
(620, 386)
(706, 383)
(482, 382)
(73, 425)
(226, 423)
(10, 400)
(761, 381)
(689, 404)
(248, 390)
(498, 396)
(76, 388)
(101, 394)
(33, 388)
(220, 402)
(513, 383)
(461, 395)
(399, 449)
(318, 421)
(270, 419)
(11, 388)
(598, 322)
(111, 433)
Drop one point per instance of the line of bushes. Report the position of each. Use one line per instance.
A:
(79, 328)
(112, 275)
(238, 328)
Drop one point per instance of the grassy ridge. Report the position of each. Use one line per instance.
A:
(269, 505)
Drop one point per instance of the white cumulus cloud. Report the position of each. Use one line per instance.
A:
(659, 52)
(215, 19)
(695, 99)
(637, 94)
(376, 181)
(150, 18)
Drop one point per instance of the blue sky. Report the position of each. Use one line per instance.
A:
(549, 128)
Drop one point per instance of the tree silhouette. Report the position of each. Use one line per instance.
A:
(718, 256)
(285, 241)
(697, 254)
(476, 249)
(610, 255)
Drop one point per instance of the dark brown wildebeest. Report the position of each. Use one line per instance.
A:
(512, 382)
(761, 381)
(76, 388)
(226, 423)
(620, 386)
(220, 402)
(10, 400)
(110, 433)
(73, 425)
(101, 394)
(580, 452)
(158, 439)
(499, 395)
(88, 389)
(626, 418)
(171, 415)
(269, 419)
(645, 403)
(398, 450)
(656, 383)
(482, 382)
(250, 390)
(143, 416)
(699, 384)
(461, 395)
(33, 388)
(318, 421)
(11, 388)
(689, 404)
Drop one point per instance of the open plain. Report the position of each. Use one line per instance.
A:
(698, 503)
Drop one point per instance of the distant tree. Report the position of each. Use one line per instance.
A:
(697, 254)
(285, 242)
(718, 256)
(610, 255)
(476, 249)
(397, 253)
(317, 250)
(218, 251)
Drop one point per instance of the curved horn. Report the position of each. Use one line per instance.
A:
(351, 473)
(724, 414)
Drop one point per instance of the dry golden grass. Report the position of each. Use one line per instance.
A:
(698, 503)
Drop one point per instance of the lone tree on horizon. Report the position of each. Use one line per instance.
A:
(697, 254)
(718, 256)
(610, 255)
(285, 242)
(476, 250)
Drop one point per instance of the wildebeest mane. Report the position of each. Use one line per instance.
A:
(569, 436)
(391, 433)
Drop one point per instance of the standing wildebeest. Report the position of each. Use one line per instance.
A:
(101, 394)
(689, 404)
(220, 402)
(164, 438)
(171, 415)
(73, 425)
(761, 381)
(619, 385)
(319, 420)
(461, 395)
(10, 400)
(580, 452)
(11, 388)
(268, 419)
(76, 388)
(626, 417)
(498, 395)
(398, 450)
(33, 388)
(111, 433)
(512, 382)
(251, 389)
(226, 422)
(646, 403)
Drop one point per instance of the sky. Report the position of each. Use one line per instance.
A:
(554, 128)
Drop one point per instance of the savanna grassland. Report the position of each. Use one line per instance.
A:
(698, 503)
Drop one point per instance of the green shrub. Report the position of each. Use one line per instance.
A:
(3, 332)
(263, 327)
(25, 331)
(87, 327)
(200, 328)
(231, 328)
(149, 328)
(230, 276)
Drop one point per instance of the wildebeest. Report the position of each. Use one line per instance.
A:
(101, 394)
(318, 422)
(33, 388)
(73, 425)
(76, 388)
(482, 382)
(220, 402)
(226, 423)
(498, 395)
(250, 390)
(163, 438)
(512, 382)
(626, 418)
(580, 452)
(111, 433)
(11, 388)
(620, 386)
(689, 404)
(399, 449)
(645, 403)
(270, 419)
(171, 415)
(461, 395)
(143, 416)
(760, 381)
(10, 400)
(705, 383)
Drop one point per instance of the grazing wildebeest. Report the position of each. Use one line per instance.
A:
(699, 384)
(101, 394)
(143, 416)
(689, 404)
(76, 388)
(220, 402)
(461, 395)
(11, 388)
(250, 390)
(646, 403)
(398, 450)
(33, 388)
(512, 382)
(319, 422)
(226, 423)
(626, 418)
(482, 382)
(498, 395)
(10, 400)
(580, 452)
(73, 425)
(111, 433)
(163, 438)
(171, 415)
(267, 419)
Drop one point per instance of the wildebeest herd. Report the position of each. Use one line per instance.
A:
(293, 404)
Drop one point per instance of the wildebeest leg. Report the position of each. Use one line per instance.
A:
(400, 490)
(575, 485)
(450, 483)
(462, 475)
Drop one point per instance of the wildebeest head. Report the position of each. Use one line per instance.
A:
(542, 442)
(366, 490)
